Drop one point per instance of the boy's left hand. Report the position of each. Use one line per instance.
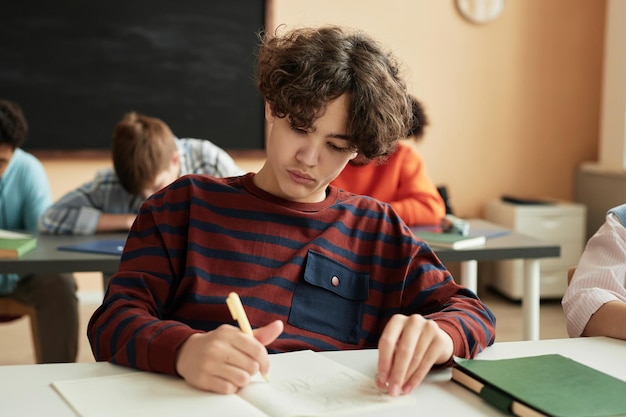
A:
(408, 348)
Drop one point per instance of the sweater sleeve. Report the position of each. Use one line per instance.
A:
(128, 329)
(432, 292)
(470, 323)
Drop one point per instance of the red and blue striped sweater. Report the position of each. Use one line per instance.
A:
(202, 237)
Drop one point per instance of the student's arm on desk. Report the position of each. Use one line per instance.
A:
(81, 211)
(608, 320)
(421, 209)
(115, 222)
(83, 221)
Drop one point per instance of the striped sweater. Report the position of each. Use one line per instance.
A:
(334, 272)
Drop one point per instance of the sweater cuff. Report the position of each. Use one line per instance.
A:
(163, 350)
(459, 344)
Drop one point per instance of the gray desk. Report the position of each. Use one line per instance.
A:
(46, 257)
(513, 245)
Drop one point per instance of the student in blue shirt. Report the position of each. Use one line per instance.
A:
(146, 157)
(24, 195)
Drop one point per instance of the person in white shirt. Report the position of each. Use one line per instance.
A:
(595, 300)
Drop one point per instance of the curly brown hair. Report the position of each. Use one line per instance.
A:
(13, 126)
(299, 73)
(419, 121)
(142, 147)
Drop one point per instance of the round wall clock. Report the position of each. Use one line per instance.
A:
(480, 11)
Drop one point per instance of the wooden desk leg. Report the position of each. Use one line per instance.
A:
(531, 299)
(469, 275)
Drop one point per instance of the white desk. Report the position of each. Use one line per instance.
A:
(25, 389)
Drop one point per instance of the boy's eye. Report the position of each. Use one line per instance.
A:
(299, 130)
(338, 148)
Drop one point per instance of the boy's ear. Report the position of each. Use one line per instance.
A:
(176, 158)
(354, 155)
(269, 114)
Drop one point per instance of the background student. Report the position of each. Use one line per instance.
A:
(399, 179)
(316, 267)
(595, 301)
(146, 157)
(24, 195)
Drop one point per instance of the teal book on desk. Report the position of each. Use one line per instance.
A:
(450, 240)
(545, 385)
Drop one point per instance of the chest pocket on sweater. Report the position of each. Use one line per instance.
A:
(330, 299)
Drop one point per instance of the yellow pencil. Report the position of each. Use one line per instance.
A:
(236, 310)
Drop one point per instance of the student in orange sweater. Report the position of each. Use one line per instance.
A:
(399, 179)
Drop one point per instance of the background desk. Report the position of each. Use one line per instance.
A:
(46, 257)
(25, 389)
(513, 245)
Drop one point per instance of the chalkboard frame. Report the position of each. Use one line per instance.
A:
(77, 66)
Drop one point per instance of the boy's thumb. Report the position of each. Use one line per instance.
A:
(267, 334)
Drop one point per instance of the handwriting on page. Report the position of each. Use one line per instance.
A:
(341, 392)
(331, 391)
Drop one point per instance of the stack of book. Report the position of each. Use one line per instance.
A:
(13, 244)
(450, 240)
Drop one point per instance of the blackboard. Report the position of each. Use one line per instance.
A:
(76, 66)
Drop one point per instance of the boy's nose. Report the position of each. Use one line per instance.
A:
(309, 154)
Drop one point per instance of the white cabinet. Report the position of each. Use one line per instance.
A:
(559, 222)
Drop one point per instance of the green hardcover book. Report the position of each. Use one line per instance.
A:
(545, 385)
(450, 240)
(11, 248)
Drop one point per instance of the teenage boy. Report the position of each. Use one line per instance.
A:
(24, 195)
(316, 267)
(146, 157)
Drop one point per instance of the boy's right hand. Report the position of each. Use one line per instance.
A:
(223, 360)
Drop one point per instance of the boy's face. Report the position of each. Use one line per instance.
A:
(163, 178)
(301, 163)
(6, 153)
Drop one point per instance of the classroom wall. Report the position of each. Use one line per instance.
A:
(514, 105)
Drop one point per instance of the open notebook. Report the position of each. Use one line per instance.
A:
(301, 383)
